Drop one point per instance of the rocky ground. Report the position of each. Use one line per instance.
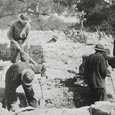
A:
(63, 88)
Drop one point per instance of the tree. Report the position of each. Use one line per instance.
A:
(99, 14)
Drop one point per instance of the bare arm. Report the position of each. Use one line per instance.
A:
(10, 36)
(27, 30)
(10, 32)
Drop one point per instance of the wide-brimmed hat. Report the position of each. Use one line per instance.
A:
(24, 18)
(27, 77)
(99, 47)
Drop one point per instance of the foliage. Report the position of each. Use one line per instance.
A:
(99, 14)
(76, 36)
(67, 3)
(96, 11)
(48, 23)
(36, 7)
(36, 52)
(4, 52)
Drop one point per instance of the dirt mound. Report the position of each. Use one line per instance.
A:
(58, 93)
(54, 111)
(103, 108)
(99, 108)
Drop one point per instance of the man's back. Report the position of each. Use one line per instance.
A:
(96, 70)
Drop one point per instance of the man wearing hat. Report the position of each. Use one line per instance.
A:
(95, 73)
(17, 34)
(20, 73)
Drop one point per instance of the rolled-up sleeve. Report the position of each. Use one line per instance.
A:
(28, 28)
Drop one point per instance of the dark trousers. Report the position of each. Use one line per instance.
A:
(97, 94)
(15, 54)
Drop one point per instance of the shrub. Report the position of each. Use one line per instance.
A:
(36, 52)
(4, 52)
(99, 14)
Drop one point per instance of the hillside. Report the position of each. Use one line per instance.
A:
(62, 32)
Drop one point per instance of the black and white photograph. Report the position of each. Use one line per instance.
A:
(57, 57)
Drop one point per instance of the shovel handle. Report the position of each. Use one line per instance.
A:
(21, 50)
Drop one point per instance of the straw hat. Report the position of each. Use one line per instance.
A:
(27, 77)
(99, 47)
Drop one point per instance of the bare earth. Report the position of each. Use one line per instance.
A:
(63, 57)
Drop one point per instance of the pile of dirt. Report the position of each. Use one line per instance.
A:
(54, 111)
(102, 108)
(58, 93)
(65, 94)
(99, 108)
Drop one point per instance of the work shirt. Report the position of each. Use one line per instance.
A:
(96, 70)
(16, 28)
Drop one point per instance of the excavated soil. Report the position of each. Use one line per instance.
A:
(63, 88)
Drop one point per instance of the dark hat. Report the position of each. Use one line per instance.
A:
(24, 18)
(27, 77)
(99, 47)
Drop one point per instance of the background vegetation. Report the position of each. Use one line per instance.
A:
(99, 15)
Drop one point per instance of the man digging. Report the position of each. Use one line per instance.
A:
(17, 34)
(21, 73)
(95, 72)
